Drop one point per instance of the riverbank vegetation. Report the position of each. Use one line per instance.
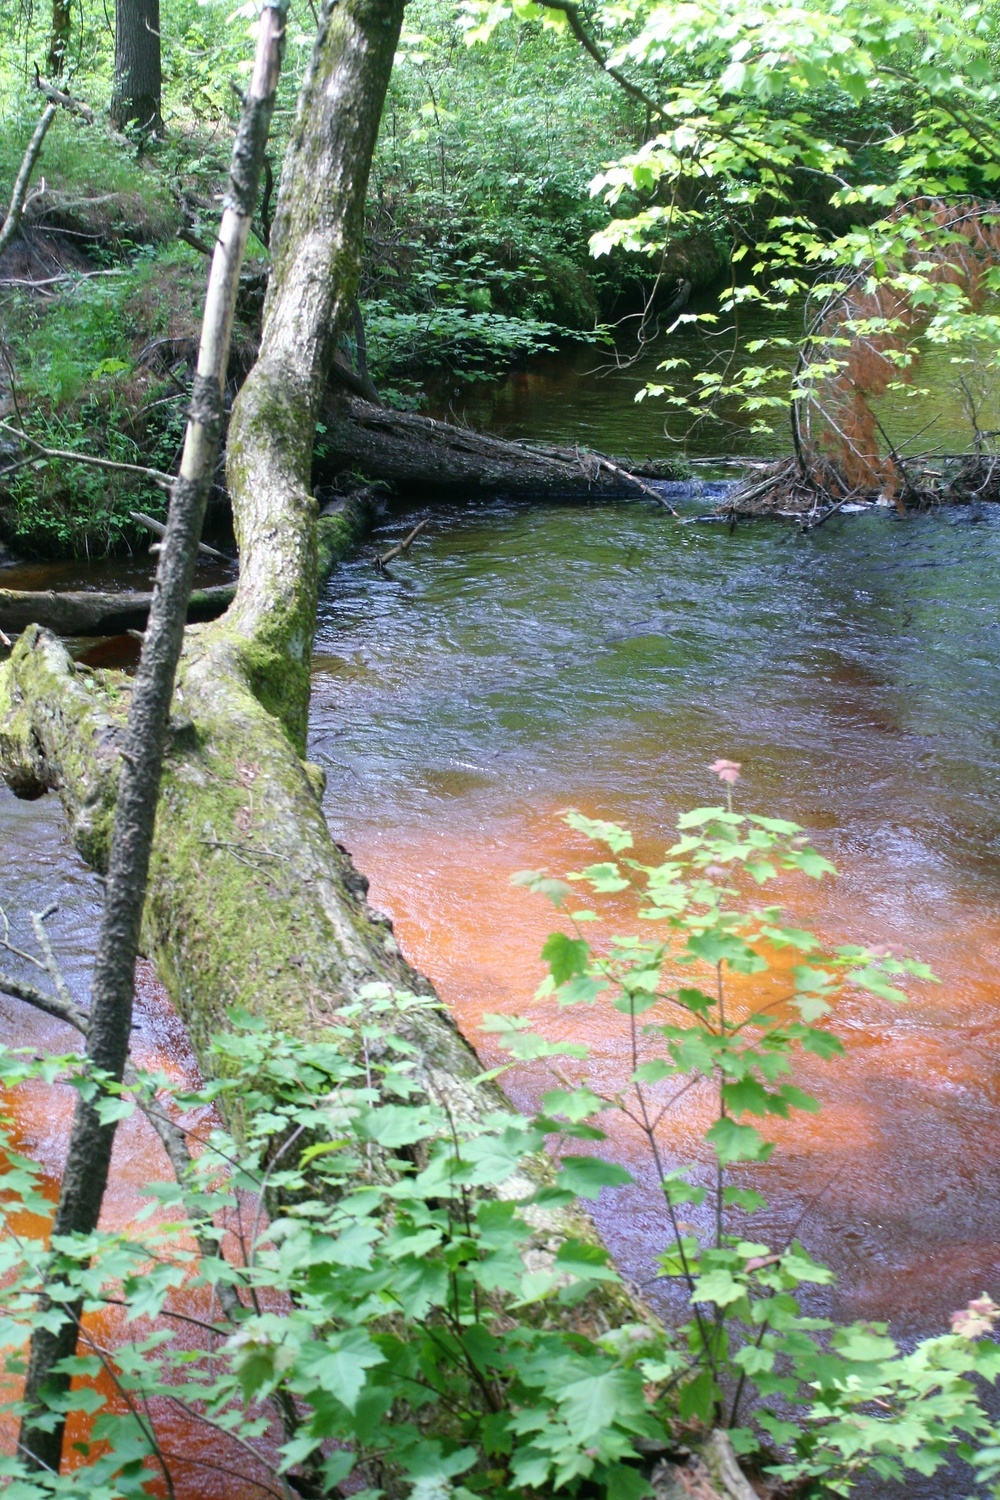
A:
(394, 1298)
(845, 167)
(476, 250)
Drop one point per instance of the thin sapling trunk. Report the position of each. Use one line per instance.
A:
(89, 1154)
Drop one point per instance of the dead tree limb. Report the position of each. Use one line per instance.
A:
(98, 612)
(158, 529)
(113, 986)
(404, 545)
(70, 455)
(64, 100)
(15, 211)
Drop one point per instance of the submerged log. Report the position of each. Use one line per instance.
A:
(89, 612)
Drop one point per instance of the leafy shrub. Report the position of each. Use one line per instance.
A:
(419, 1301)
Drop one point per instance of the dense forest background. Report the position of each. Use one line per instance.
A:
(477, 244)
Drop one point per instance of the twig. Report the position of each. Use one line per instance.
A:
(404, 545)
(164, 481)
(158, 529)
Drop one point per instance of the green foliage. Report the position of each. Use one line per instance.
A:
(85, 378)
(418, 1298)
(833, 1401)
(821, 141)
(386, 1291)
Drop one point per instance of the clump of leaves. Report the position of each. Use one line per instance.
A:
(832, 1400)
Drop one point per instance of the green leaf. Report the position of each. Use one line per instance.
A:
(565, 956)
(696, 1398)
(733, 1142)
(587, 1175)
(111, 1108)
(746, 1096)
(718, 1287)
(594, 1403)
(754, 1360)
(875, 982)
(617, 839)
(626, 1483)
(723, 947)
(587, 1261)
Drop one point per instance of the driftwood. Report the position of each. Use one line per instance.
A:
(813, 491)
(86, 612)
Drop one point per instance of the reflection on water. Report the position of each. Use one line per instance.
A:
(602, 658)
(587, 394)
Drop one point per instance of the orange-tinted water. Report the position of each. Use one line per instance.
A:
(529, 661)
(526, 661)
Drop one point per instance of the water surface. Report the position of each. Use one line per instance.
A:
(529, 659)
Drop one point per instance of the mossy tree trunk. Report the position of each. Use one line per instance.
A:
(109, 1019)
(250, 902)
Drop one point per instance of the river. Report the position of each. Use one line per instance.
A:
(525, 659)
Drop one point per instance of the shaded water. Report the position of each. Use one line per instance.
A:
(588, 394)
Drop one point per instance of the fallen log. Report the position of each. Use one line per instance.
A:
(89, 612)
(421, 457)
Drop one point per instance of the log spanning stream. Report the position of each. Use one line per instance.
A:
(522, 660)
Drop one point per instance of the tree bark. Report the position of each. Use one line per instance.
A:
(250, 902)
(135, 97)
(419, 456)
(62, 23)
(109, 1026)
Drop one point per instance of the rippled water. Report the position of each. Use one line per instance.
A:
(524, 659)
(527, 659)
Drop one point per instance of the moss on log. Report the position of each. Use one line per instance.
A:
(250, 902)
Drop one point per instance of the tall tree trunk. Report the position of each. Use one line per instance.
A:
(135, 97)
(109, 1027)
(62, 22)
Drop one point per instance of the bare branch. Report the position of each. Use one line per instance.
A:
(12, 223)
(57, 96)
(158, 529)
(164, 481)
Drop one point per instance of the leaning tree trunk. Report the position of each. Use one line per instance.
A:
(135, 97)
(112, 993)
(250, 903)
